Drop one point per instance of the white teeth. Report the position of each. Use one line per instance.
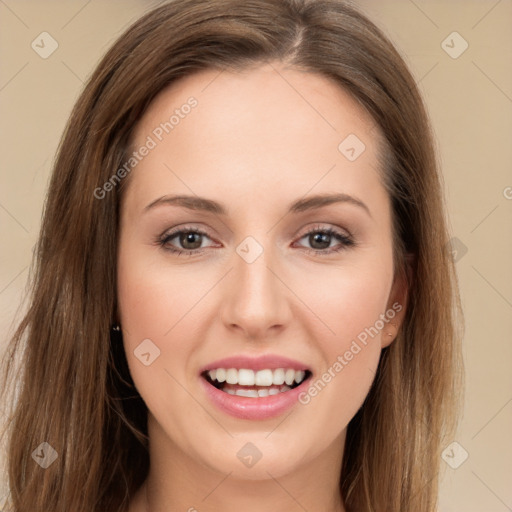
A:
(263, 378)
(289, 377)
(246, 377)
(232, 376)
(276, 381)
(255, 393)
(252, 393)
(278, 377)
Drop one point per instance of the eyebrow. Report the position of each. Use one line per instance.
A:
(301, 205)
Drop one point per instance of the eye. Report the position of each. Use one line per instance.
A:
(321, 238)
(190, 239)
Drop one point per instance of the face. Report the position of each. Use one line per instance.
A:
(254, 313)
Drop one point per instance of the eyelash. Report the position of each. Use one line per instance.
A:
(346, 241)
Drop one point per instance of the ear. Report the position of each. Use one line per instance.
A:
(397, 302)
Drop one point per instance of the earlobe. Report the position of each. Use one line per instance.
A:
(398, 300)
(389, 334)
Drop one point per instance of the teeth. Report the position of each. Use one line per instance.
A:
(263, 378)
(252, 393)
(289, 377)
(268, 378)
(299, 376)
(245, 377)
(278, 376)
(256, 393)
(232, 376)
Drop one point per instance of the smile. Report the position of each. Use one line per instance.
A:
(254, 388)
(248, 383)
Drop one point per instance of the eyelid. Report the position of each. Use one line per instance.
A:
(346, 239)
(169, 235)
(325, 226)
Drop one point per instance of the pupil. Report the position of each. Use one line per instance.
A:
(189, 237)
(322, 238)
(317, 238)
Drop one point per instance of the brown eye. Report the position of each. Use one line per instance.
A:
(190, 240)
(187, 241)
(320, 240)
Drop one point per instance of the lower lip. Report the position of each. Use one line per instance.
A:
(247, 408)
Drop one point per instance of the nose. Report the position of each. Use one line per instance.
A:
(256, 298)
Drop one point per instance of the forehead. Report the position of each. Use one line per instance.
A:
(267, 129)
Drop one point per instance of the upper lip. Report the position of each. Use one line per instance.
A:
(268, 361)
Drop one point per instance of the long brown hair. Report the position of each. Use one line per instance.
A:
(73, 389)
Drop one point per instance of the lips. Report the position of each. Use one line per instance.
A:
(254, 388)
(267, 361)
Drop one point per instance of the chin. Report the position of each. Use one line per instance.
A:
(256, 456)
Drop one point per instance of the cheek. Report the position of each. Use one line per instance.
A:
(343, 301)
(148, 309)
(152, 298)
(348, 330)
(337, 392)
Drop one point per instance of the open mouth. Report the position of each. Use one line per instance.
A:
(255, 384)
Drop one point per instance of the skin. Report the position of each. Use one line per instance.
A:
(257, 141)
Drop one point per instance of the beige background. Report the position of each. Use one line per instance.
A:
(470, 100)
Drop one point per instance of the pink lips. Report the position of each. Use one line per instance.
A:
(269, 361)
(260, 408)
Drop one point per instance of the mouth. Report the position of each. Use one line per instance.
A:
(249, 383)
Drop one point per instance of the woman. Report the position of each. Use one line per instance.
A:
(242, 293)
